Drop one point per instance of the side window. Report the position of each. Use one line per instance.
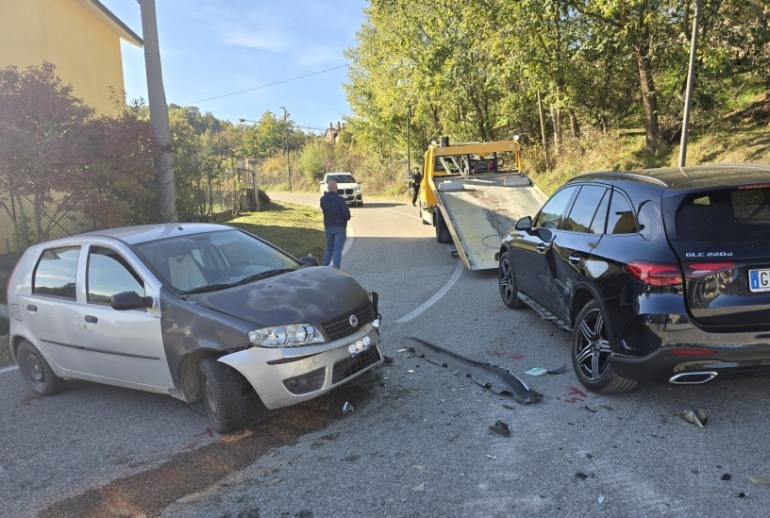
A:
(56, 273)
(585, 207)
(620, 219)
(600, 218)
(554, 209)
(109, 274)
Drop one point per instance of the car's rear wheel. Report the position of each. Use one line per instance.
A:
(591, 352)
(38, 375)
(223, 395)
(507, 283)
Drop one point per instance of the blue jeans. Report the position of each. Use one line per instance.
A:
(335, 240)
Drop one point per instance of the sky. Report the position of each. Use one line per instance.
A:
(226, 56)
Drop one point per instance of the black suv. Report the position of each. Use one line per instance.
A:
(659, 274)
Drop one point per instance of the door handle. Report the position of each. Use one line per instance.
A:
(91, 319)
(541, 248)
(31, 307)
(574, 259)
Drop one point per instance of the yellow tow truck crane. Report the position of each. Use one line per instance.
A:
(473, 192)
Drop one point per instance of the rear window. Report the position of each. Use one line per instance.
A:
(729, 216)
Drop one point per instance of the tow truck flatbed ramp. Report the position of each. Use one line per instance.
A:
(480, 209)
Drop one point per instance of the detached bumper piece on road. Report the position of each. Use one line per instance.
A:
(495, 378)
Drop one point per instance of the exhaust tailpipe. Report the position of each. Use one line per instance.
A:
(693, 377)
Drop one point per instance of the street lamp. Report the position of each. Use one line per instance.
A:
(286, 127)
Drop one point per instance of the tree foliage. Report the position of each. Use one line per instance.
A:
(472, 69)
(59, 164)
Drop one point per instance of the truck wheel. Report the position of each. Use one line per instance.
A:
(421, 214)
(442, 231)
(222, 396)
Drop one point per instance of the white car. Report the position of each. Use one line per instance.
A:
(193, 310)
(347, 187)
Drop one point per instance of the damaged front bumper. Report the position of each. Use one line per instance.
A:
(287, 376)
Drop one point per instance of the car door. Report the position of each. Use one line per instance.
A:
(122, 347)
(572, 244)
(531, 248)
(50, 310)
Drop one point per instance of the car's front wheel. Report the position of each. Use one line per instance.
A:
(591, 352)
(36, 372)
(223, 395)
(507, 282)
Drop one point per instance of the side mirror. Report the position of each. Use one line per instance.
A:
(524, 223)
(130, 300)
(309, 260)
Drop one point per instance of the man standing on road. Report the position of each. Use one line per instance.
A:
(336, 216)
(415, 181)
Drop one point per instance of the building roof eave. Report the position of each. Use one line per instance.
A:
(113, 21)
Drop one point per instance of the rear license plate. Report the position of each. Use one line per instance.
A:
(759, 280)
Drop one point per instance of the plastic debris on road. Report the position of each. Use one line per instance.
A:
(347, 407)
(697, 417)
(536, 371)
(759, 481)
(492, 377)
(558, 370)
(501, 428)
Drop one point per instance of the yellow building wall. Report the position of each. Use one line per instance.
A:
(72, 36)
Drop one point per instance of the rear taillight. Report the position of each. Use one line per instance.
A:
(655, 274)
(703, 269)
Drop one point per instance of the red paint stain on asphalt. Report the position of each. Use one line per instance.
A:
(27, 400)
(208, 432)
(576, 395)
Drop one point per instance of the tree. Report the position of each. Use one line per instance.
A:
(40, 121)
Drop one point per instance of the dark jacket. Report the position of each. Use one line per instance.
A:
(336, 211)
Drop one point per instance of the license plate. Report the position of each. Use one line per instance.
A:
(759, 280)
(364, 343)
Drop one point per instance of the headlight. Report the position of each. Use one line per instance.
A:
(357, 188)
(286, 336)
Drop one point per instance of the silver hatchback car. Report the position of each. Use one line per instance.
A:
(197, 311)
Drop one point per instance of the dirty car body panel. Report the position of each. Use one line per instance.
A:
(145, 307)
(659, 274)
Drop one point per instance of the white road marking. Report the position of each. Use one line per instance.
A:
(403, 214)
(435, 298)
(9, 369)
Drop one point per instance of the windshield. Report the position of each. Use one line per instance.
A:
(342, 178)
(214, 260)
(729, 215)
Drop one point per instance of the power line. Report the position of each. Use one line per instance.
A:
(267, 85)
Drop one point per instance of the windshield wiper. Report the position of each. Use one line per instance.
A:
(211, 287)
(264, 275)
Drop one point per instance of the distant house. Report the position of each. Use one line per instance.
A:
(81, 37)
(333, 134)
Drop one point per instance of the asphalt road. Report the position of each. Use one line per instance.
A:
(418, 442)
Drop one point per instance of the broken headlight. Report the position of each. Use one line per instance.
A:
(286, 336)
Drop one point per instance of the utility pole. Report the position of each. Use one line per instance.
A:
(156, 98)
(542, 129)
(286, 128)
(408, 141)
(690, 81)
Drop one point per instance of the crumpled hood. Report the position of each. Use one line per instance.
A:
(309, 295)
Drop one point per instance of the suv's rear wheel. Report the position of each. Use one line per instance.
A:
(591, 352)
(223, 395)
(507, 283)
(36, 371)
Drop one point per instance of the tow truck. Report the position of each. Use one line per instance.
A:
(472, 193)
